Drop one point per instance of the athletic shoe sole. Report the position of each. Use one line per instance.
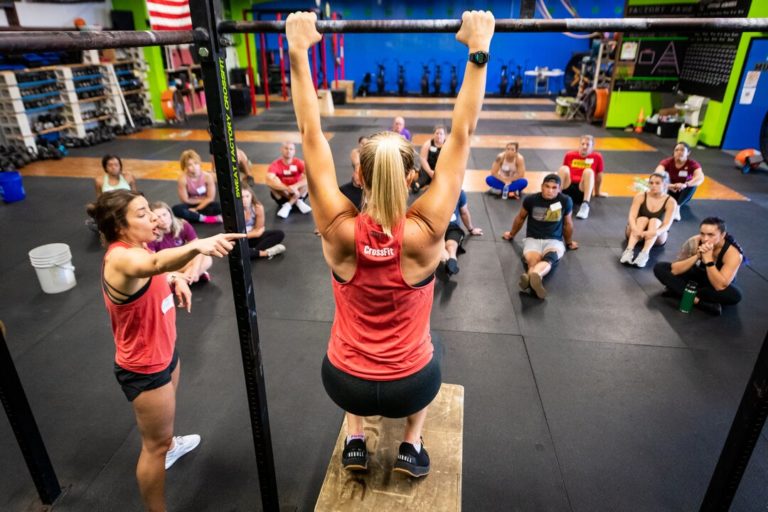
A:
(413, 471)
(537, 286)
(524, 283)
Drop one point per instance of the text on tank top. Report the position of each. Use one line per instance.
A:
(380, 329)
(196, 187)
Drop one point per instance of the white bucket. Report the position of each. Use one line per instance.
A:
(53, 264)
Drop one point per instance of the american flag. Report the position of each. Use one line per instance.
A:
(169, 14)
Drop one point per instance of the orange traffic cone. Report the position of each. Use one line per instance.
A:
(640, 121)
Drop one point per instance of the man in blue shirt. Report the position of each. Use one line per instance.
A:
(549, 222)
(454, 235)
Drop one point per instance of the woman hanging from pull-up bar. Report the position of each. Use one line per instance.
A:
(381, 359)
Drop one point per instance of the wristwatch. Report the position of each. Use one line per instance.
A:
(479, 58)
(710, 264)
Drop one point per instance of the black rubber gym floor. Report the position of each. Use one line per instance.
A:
(603, 397)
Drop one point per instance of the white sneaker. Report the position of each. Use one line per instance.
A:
(182, 445)
(583, 211)
(274, 251)
(627, 255)
(677, 216)
(303, 207)
(284, 210)
(641, 260)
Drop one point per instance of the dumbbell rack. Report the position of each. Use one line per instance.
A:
(25, 95)
(91, 97)
(131, 71)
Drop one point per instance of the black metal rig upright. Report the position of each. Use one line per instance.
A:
(210, 47)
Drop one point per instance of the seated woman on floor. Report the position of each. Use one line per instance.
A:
(650, 217)
(175, 232)
(508, 173)
(197, 191)
(710, 259)
(114, 177)
(263, 243)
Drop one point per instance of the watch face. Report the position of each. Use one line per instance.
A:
(479, 57)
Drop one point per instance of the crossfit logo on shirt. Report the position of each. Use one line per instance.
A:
(369, 251)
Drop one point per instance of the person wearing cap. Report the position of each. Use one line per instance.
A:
(549, 231)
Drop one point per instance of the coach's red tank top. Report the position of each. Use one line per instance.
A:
(381, 327)
(145, 327)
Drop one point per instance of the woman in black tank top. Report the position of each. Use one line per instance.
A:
(650, 217)
(710, 259)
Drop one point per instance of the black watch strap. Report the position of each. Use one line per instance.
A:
(480, 58)
(710, 264)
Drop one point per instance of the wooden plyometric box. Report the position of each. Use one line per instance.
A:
(347, 85)
(325, 102)
(380, 489)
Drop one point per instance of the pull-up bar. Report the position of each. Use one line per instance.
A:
(516, 25)
(37, 41)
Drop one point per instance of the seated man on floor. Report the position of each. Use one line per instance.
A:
(582, 174)
(287, 182)
(710, 259)
(549, 221)
(685, 174)
(398, 126)
(507, 177)
(454, 235)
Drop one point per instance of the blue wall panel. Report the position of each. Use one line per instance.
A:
(743, 129)
(364, 51)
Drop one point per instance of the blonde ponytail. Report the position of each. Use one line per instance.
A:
(385, 161)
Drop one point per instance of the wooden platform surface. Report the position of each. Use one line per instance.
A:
(617, 185)
(400, 100)
(202, 135)
(445, 114)
(547, 142)
(380, 489)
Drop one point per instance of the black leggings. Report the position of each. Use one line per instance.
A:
(269, 238)
(682, 197)
(391, 399)
(705, 291)
(182, 211)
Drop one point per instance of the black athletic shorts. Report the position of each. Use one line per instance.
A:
(455, 233)
(134, 383)
(574, 193)
(391, 398)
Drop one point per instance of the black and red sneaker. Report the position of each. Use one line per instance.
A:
(355, 456)
(411, 462)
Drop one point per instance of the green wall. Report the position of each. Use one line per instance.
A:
(152, 54)
(624, 106)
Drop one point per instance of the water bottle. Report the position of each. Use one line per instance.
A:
(505, 192)
(686, 302)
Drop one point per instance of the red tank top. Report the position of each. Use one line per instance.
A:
(144, 328)
(381, 327)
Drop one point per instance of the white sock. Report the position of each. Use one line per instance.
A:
(417, 446)
(355, 436)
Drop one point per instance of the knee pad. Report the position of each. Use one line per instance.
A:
(550, 257)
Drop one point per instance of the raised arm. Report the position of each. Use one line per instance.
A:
(433, 209)
(328, 203)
